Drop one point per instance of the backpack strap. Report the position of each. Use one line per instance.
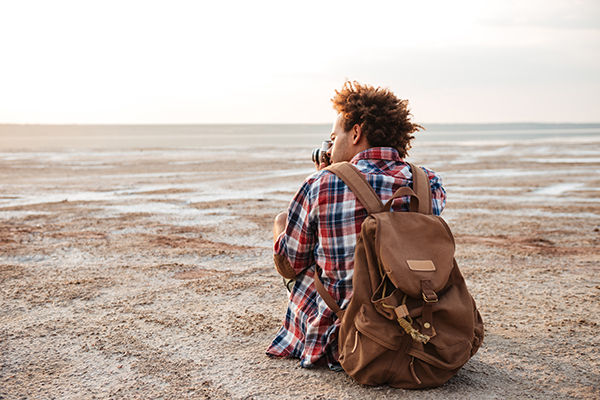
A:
(357, 182)
(422, 188)
(365, 193)
(327, 298)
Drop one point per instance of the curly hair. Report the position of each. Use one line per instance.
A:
(383, 118)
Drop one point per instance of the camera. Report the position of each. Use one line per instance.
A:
(320, 155)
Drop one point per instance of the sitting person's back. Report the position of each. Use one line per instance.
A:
(318, 233)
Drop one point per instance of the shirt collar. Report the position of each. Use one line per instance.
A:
(377, 153)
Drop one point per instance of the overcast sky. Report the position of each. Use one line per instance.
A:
(280, 62)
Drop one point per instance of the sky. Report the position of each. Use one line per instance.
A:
(131, 61)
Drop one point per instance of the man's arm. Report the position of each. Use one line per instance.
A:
(282, 264)
(279, 225)
(294, 232)
(281, 218)
(438, 193)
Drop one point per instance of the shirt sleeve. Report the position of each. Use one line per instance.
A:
(438, 193)
(294, 248)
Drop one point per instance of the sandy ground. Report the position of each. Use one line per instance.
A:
(147, 274)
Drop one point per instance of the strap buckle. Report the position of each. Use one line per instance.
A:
(431, 298)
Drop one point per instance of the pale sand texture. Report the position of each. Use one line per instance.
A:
(147, 274)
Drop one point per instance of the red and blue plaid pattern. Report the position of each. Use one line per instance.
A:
(324, 220)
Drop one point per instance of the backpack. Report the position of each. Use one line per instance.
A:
(411, 322)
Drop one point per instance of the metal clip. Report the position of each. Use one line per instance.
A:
(433, 300)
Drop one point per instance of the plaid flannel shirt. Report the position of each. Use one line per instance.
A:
(324, 220)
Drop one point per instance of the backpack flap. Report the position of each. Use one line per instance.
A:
(414, 248)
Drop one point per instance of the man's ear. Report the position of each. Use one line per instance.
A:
(356, 134)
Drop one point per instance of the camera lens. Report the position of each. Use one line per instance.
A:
(319, 155)
(316, 155)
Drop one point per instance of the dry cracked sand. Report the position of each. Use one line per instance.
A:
(148, 274)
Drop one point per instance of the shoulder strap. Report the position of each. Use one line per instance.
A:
(357, 182)
(327, 298)
(364, 192)
(421, 188)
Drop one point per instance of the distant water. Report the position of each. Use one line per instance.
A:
(66, 137)
(508, 132)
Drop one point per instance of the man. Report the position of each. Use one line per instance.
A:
(319, 231)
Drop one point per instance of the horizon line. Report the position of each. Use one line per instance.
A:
(273, 123)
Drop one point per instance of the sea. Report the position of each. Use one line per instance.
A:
(25, 137)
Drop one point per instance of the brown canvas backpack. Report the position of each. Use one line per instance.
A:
(411, 322)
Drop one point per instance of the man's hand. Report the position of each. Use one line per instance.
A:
(321, 166)
(279, 225)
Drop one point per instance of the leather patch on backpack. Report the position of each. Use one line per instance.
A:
(421, 265)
